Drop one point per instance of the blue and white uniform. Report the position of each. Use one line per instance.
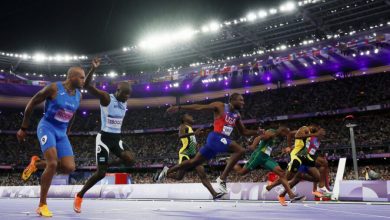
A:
(109, 138)
(52, 128)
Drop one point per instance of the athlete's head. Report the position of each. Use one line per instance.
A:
(237, 101)
(188, 119)
(282, 131)
(314, 128)
(123, 91)
(76, 76)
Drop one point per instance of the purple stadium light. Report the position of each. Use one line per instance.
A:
(246, 91)
(104, 86)
(226, 83)
(207, 98)
(166, 87)
(226, 94)
(187, 86)
(84, 112)
(268, 78)
(147, 87)
(246, 81)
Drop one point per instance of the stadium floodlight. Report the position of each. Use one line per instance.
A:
(367, 52)
(283, 47)
(376, 50)
(273, 11)
(67, 58)
(262, 14)
(288, 6)
(185, 34)
(112, 74)
(251, 16)
(142, 44)
(39, 57)
(58, 58)
(354, 55)
(214, 26)
(205, 29)
(124, 49)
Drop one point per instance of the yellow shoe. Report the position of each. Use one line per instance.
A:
(30, 169)
(44, 211)
(77, 204)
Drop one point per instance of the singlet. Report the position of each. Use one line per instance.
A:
(189, 143)
(112, 115)
(266, 146)
(59, 111)
(225, 124)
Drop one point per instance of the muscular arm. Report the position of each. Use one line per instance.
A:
(217, 107)
(197, 107)
(103, 96)
(305, 133)
(244, 131)
(290, 137)
(255, 143)
(47, 92)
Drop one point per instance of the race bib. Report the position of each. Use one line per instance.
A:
(114, 122)
(268, 151)
(312, 145)
(227, 130)
(312, 151)
(63, 115)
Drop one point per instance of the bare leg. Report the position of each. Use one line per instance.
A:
(96, 177)
(47, 176)
(205, 181)
(238, 153)
(185, 165)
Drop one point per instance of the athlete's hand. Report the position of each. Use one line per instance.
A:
(173, 109)
(21, 136)
(95, 63)
(287, 150)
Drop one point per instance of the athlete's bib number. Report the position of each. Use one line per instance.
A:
(312, 151)
(115, 123)
(268, 151)
(312, 145)
(227, 130)
(63, 115)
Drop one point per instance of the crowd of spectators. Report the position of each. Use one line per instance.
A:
(371, 134)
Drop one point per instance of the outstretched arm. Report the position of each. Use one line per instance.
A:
(246, 132)
(103, 96)
(255, 143)
(196, 107)
(47, 92)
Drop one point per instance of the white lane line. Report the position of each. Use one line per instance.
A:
(346, 212)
